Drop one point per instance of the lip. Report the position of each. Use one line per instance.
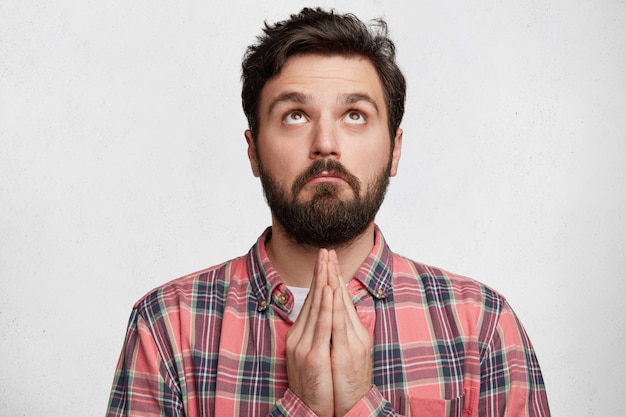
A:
(326, 177)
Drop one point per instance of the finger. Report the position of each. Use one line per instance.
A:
(341, 321)
(319, 281)
(302, 321)
(316, 293)
(348, 331)
(351, 360)
(336, 274)
(352, 325)
(346, 321)
(324, 324)
(334, 271)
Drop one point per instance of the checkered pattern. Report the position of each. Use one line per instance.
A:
(212, 344)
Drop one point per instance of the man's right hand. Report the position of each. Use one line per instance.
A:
(308, 344)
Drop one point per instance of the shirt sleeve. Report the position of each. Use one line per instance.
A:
(511, 380)
(290, 405)
(372, 404)
(143, 385)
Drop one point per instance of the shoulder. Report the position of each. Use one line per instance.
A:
(442, 284)
(465, 305)
(206, 288)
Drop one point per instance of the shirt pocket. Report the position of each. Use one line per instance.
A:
(435, 407)
(464, 406)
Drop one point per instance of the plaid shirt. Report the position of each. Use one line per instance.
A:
(212, 344)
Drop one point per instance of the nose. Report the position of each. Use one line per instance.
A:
(325, 143)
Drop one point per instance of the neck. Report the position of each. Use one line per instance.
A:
(295, 262)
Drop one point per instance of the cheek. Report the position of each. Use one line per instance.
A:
(370, 162)
(281, 164)
(278, 150)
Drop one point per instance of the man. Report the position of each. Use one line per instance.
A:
(320, 317)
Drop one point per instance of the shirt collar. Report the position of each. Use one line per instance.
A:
(374, 274)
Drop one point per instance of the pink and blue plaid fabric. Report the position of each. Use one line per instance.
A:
(212, 344)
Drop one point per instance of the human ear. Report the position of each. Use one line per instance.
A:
(252, 154)
(396, 151)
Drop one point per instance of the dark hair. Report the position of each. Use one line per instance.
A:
(316, 31)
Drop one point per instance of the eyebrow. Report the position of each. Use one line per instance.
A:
(353, 98)
(294, 97)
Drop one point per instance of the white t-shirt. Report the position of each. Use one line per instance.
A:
(299, 295)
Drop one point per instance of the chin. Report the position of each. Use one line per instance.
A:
(325, 191)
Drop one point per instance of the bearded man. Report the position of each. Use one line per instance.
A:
(320, 318)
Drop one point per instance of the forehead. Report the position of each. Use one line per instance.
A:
(323, 78)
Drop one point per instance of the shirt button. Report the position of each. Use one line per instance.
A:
(380, 292)
(263, 303)
(283, 298)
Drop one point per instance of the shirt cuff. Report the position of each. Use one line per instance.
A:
(290, 405)
(372, 404)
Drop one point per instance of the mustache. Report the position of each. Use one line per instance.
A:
(331, 166)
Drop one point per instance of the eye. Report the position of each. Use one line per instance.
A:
(354, 117)
(295, 117)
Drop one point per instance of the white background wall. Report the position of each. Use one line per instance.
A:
(122, 166)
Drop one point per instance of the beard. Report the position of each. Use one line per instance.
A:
(326, 220)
